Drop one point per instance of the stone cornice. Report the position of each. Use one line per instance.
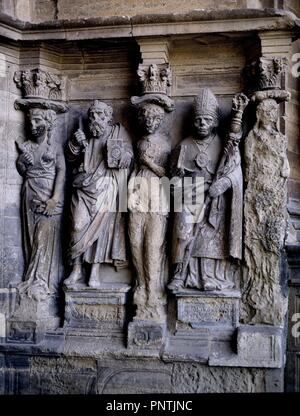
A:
(195, 22)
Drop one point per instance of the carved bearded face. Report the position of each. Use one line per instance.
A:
(99, 120)
(151, 117)
(40, 121)
(204, 125)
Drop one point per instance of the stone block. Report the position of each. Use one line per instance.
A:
(2, 326)
(100, 311)
(197, 309)
(257, 346)
(203, 320)
(145, 334)
(187, 346)
(32, 319)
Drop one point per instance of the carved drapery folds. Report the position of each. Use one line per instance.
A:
(204, 245)
(266, 173)
(42, 165)
(148, 224)
(100, 162)
(206, 239)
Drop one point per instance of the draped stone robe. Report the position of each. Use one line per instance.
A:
(41, 234)
(220, 235)
(98, 228)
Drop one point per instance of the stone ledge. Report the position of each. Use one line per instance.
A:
(257, 346)
(196, 21)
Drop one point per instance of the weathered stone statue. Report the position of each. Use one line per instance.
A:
(42, 165)
(266, 173)
(148, 223)
(100, 178)
(207, 242)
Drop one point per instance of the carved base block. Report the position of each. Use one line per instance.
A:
(197, 309)
(99, 312)
(32, 319)
(257, 346)
(145, 335)
(204, 320)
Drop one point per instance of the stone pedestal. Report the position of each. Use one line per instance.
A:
(257, 346)
(203, 320)
(32, 319)
(147, 335)
(96, 312)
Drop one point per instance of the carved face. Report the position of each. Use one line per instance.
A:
(267, 113)
(37, 123)
(204, 125)
(151, 117)
(99, 121)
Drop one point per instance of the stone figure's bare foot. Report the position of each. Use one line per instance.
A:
(212, 284)
(175, 284)
(24, 286)
(38, 291)
(76, 277)
(95, 276)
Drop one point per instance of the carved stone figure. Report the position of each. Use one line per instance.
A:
(207, 240)
(100, 177)
(148, 223)
(266, 173)
(41, 163)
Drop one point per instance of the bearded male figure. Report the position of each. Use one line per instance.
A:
(98, 226)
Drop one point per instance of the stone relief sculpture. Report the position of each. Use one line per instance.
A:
(41, 164)
(100, 162)
(148, 223)
(207, 239)
(266, 173)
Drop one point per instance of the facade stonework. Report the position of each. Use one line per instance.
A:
(150, 197)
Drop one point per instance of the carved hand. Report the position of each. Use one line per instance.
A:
(79, 139)
(27, 159)
(158, 170)
(240, 102)
(146, 158)
(219, 187)
(50, 207)
(179, 172)
(125, 161)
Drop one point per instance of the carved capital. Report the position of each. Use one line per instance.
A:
(265, 73)
(155, 78)
(36, 83)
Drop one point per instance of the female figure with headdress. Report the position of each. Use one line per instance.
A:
(42, 165)
(147, 204)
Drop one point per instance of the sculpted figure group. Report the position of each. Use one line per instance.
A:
(205, 251)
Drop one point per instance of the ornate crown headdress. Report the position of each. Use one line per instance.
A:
(40, 89)
(265, 74)
(156, 81)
